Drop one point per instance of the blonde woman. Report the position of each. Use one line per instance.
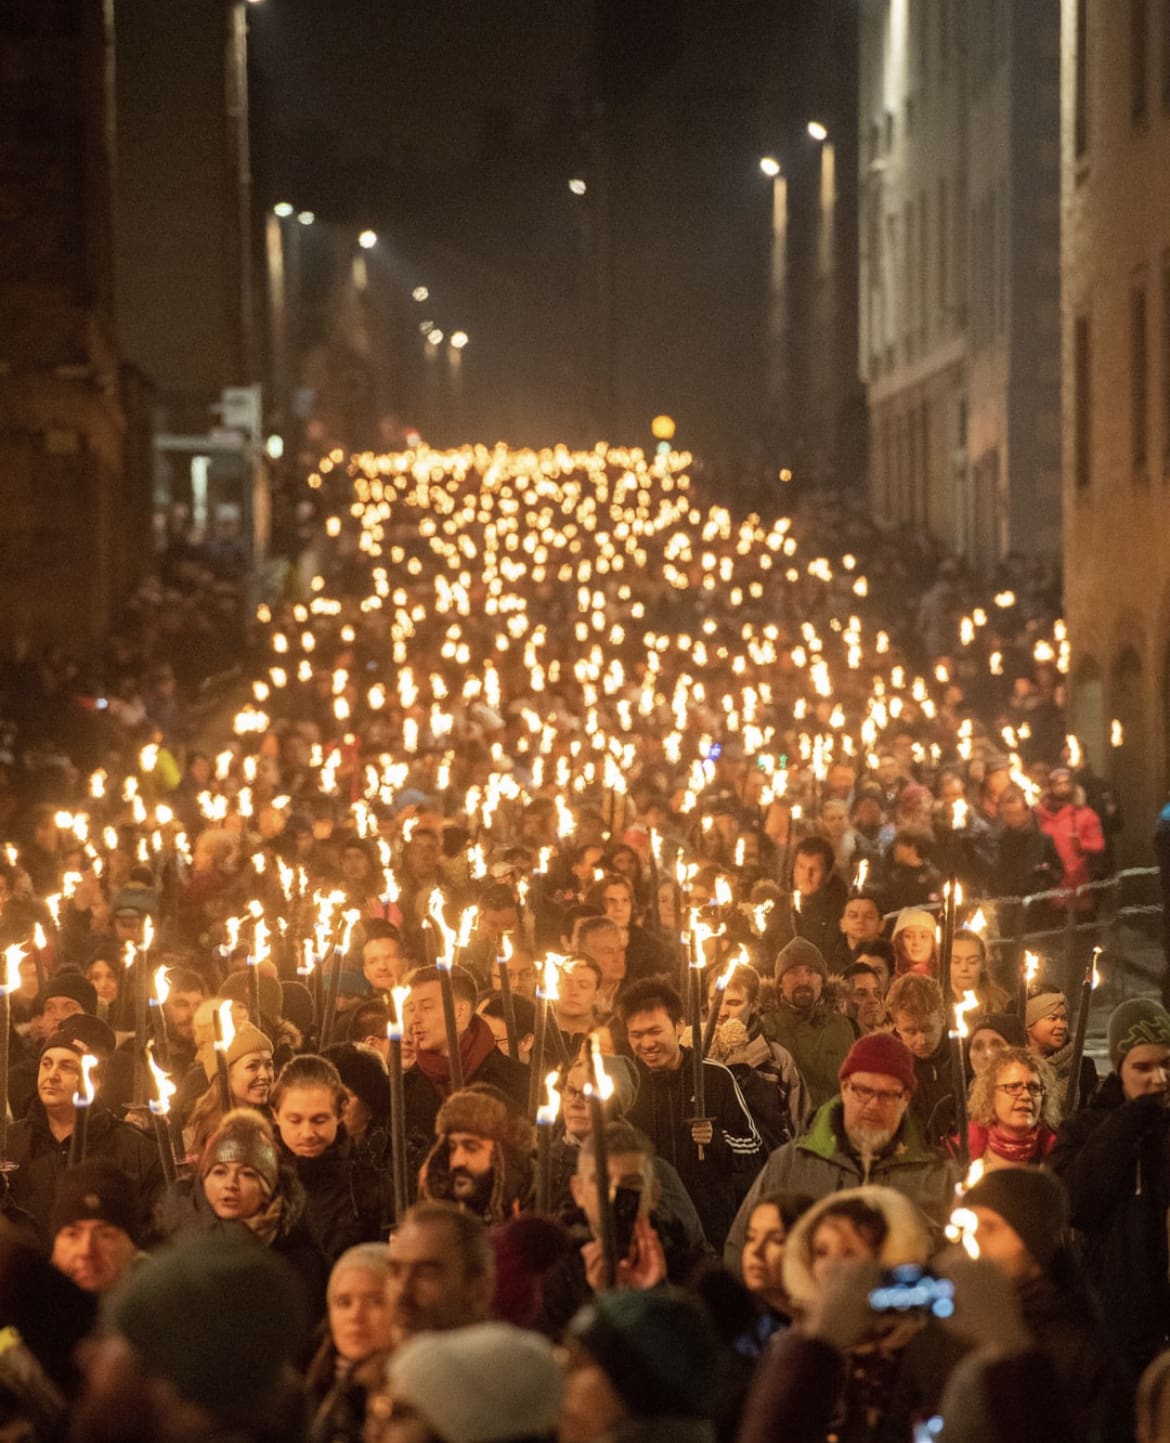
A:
(1013, 1111)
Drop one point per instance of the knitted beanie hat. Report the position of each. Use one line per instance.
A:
(657, 1349)
(800, 952)
(1032, 1202)
(364, 1073)
(480, 1384)
(1044, 1004)
(71, 984)
(244, 1137)
(881, 1052)
(95, 1190)
(1136, 1021)
(219, 1317)
(915, 917)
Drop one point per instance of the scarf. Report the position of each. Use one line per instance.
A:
(1019, 1151)
(475, 1046)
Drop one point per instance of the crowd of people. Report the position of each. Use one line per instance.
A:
(612, 983)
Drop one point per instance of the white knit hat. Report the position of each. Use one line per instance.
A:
(914, 917)
(479, 1384)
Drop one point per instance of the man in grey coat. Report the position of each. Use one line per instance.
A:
(865, 1135)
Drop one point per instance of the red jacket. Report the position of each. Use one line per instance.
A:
(1077, 835)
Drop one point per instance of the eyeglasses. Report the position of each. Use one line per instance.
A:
(571, 1094)
(866, 1095)
(1017, 1089)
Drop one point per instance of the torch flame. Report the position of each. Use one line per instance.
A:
(723, 893)
(164, 1088)
(549, 989)
(394, 1026)
(88, 1092)
(162, 987)
(969, 1004)
(978, 923)
(862, 874)
(959, 814)
(12, 959)
(445, 954)
(305, 969)
(600, 1083)
(962, 1229)
(467, 926)
(227, 1026)
(1031, 966)
(738, 958)
(548, 1112)
(129, 953)
(1096, 975)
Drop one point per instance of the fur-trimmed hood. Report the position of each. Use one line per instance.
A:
(908, 1238)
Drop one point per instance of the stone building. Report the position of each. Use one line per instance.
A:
(73, 525)
(1116, 418)
(959, 270)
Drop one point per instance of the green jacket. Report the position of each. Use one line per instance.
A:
(819, 1041)
(818, 1164)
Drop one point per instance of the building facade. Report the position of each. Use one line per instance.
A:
(74, 529)
(1116, 416)
(959, 231)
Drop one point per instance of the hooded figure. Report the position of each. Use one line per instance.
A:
(482, 1156)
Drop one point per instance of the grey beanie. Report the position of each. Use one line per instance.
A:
(800, 952)
(1134, 1022)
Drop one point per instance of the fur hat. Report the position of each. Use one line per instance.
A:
(881, 1052)
(484, 1111)
(800, 952)
(1042, 1005)
(244, 1137)
(907, 1237)
(481, 1384)
(1136, 1021)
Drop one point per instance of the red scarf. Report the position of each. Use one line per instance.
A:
(1020, 1151)
(475, 1047)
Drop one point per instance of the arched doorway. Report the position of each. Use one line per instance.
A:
(1130, 767)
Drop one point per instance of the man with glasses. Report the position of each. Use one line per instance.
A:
(866, 1135)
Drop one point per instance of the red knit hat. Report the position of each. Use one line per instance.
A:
(881, 1052)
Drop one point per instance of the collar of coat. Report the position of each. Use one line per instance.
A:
(823, 1139)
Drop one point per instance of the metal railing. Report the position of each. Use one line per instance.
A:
(1129, 890)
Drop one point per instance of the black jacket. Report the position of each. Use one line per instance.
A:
(422, 1100)
(347, 1201)
(664, 1109)
(1113, 1157)
(40, 1160)
(933, 1100)
(818, 921)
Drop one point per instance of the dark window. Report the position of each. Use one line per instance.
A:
(1083, 400)
(1138, 60)
(1081, 102)
(1139, 375)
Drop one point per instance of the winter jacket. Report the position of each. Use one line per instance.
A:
(1094, 1380)
(768, 1078)
(933, 1102)
(1113, 1157)
(1080, 843)
(818, 1041)
(1026, 861)
(40, 1160)
(821, 1162)
(184, 1210)
(421, 1100)
(664, 1109)
(347, 1202)
(818, 920)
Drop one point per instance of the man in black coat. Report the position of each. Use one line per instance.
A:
(818, 900)
(39, 1143)
(1114, 1158)
(716, 1149)
(428, 1083)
